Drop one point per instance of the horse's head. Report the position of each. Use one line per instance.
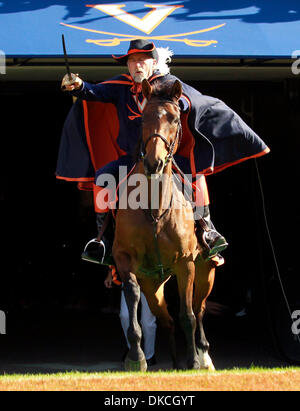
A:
(161, 127)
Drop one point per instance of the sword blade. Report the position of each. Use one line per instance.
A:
(66, 57)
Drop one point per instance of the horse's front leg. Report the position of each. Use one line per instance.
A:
(154, 292)
(204, 280)
(135, 360)
(185, 274)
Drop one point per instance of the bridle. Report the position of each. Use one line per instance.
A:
(170, 146)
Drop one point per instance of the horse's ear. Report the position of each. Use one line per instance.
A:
(176, 90)
(147, 89)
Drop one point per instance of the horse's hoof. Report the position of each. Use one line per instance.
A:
(205, 361)
(131, 365)
(208, 367)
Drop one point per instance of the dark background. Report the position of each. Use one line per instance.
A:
(45, 222)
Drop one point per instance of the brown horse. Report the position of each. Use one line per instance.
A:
(153, 243)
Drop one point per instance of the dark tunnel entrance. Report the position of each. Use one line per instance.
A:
(46, 222)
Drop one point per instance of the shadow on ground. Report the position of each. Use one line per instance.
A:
(93, 341)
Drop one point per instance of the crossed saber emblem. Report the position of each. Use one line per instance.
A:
(116, 41)
(118, 38)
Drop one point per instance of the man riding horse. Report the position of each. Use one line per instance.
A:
(214, 136)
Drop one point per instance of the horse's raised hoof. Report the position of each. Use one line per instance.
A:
(131, 365)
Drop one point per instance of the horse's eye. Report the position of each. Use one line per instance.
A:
(172, 119)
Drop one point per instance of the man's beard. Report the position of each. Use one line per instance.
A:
(139, 77)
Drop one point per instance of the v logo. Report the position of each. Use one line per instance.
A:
(146, 24)
(141, 105)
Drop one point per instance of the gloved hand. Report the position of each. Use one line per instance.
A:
(75, 83)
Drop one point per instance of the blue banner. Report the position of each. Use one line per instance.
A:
(191, 28)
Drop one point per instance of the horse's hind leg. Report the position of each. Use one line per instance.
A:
(204, 280)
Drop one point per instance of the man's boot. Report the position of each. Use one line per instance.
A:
(210, 240)
(98, 250)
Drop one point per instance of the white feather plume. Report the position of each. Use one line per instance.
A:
(164, 57)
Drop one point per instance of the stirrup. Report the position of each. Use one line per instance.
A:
(215, 248)
(220, 245)
(212, 250)
(86, 256)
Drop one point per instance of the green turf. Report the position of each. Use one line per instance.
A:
(112, 374)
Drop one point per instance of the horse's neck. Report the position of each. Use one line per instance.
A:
(160, 193)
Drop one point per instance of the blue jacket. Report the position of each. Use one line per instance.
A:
(103, 129)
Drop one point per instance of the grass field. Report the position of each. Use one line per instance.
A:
(253, 379)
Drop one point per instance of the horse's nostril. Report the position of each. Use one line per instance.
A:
(153, 168)
(147, 167)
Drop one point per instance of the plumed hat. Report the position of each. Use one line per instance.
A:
(138, 46)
